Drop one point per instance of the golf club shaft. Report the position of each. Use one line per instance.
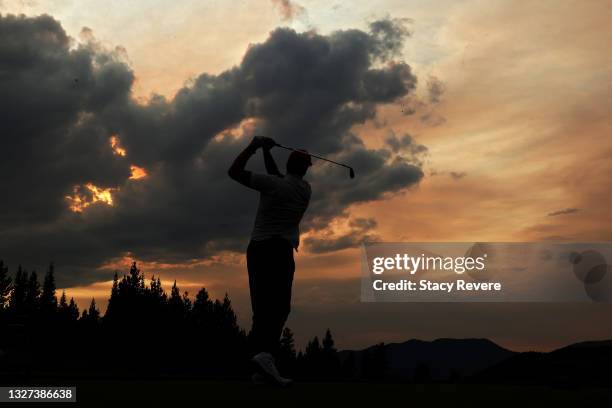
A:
(313, 155)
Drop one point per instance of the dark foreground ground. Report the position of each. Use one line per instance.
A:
(190, 393)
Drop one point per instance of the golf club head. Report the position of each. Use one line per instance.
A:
(351, 173)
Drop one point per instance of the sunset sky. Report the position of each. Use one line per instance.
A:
(477, 121)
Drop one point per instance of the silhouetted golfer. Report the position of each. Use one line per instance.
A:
(282, 202)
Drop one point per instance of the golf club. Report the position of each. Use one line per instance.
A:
(351, 171)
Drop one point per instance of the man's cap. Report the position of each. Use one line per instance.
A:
(300, 156)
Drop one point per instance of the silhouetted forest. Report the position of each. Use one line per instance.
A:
(145, 332)
(149, 333)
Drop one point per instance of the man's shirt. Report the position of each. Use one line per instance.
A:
(282, 203)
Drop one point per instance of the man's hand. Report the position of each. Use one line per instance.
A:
(237, 170)
(264, 142)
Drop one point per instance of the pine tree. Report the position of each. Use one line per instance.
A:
(312, 359)
(286, 354)
(93, 314)
(313, 348)
(48, 299)
(225, 316)
(17, 297)
(329, 355)
(62, 302)
(287, 344)
(175, 302)
(115, 288)
(156, 291)
(32, 297)
(328, 343)
(62, 308)
(111, 310)
(73, 310)
(136, 279)
(5, 286)
(186, 302)
(175, 293)
(202, 313)
(202, 304)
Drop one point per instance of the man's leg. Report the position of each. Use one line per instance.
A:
(284, 270)
(257, 253)
(270, 265)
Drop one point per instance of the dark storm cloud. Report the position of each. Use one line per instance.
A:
(48, 143)
(406, 145)
(564, 212)
(379, 174)
(389, 36)
(62, 101)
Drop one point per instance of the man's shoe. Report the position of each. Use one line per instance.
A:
(264, 363)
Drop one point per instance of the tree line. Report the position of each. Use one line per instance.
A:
(145, 331)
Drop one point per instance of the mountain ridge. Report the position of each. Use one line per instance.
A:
(481, 360)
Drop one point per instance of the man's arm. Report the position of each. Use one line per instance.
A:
(271, 166)
(237, 169)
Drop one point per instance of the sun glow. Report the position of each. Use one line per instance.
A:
(88, 194)
(137, 172)
(248, 126)
(116, 146)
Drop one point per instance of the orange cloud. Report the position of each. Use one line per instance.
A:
(88, 194)
(137, 172)
(116, 146)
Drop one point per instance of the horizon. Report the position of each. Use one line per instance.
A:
(102, 307)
